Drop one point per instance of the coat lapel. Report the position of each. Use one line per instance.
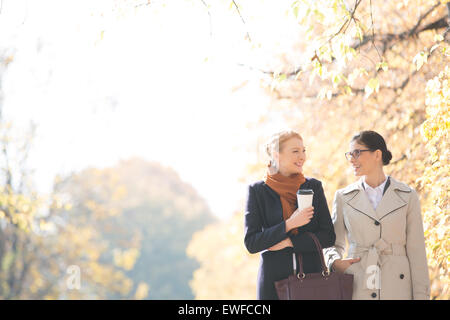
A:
(391, 200)
(356, 197)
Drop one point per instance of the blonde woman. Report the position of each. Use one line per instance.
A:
(273, 224)
(380, 218)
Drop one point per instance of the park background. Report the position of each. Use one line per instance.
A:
(130, 129)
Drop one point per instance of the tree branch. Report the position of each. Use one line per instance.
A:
(210, 19)
(387, 40)
(414, 31)
(373, 32)
(243, 21)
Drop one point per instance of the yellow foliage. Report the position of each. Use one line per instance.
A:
(125, 258)
(141, 291)
(435, 182)
(227, 270)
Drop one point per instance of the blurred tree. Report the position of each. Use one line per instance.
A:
(227, 270)
(144, 215)
(19, 205)
(38, 247)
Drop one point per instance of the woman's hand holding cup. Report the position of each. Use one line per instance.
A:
(299, 218)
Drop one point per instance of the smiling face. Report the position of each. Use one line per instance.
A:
(367, 162)
(291, 157)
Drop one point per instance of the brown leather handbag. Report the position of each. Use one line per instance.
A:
(315, 286)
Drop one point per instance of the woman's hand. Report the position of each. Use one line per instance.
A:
(299, 218)
(340, 265)
(281, 245)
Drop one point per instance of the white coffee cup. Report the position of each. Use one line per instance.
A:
(304, 198)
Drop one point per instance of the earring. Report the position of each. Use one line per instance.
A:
(273, 168)
(273, 164)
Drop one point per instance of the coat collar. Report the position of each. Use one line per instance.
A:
(356, 197)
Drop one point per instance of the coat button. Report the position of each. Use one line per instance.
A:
(374, 295)
(402, 276)
(377, 223)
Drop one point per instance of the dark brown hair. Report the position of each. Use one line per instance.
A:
(374, 141)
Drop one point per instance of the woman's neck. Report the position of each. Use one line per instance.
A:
(375, 179)
(286, 174)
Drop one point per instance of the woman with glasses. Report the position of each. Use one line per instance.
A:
(380, 219)
(274, 226)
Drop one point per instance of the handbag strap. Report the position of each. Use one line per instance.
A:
(320, 252)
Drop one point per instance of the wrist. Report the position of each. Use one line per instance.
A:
(334, 264)
(289, 226)
(289, 242)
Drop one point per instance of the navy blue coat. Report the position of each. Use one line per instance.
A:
(265, 227)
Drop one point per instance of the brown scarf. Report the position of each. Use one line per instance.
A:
(287, 188)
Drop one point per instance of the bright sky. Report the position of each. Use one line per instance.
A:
(105, 82)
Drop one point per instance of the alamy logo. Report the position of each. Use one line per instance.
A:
(74, 279)
(374, 279)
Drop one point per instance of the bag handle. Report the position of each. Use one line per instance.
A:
(325, 271)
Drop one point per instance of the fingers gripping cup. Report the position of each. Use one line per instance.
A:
(304, 198)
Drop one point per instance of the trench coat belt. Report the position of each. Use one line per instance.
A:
(376, 253)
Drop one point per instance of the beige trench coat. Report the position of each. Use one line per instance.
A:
(389, 240)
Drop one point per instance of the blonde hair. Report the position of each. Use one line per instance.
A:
(276, 141)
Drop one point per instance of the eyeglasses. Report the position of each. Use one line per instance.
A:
(355, 153)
